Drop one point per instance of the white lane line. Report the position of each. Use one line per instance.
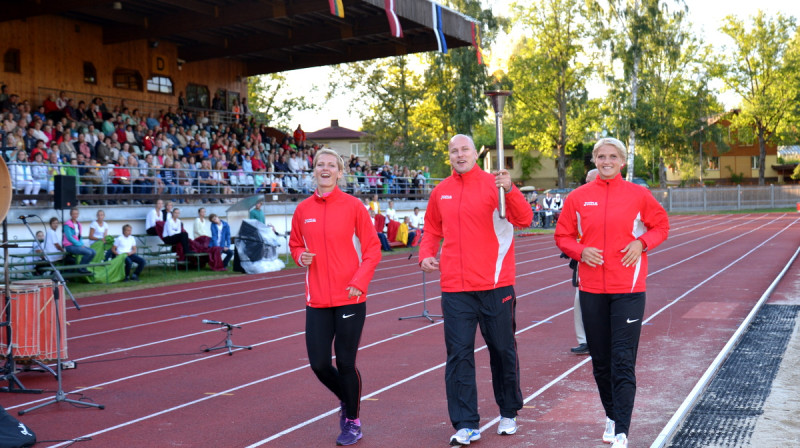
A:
(562, 375)
(386, 388)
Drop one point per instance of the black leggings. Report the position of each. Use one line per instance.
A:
(341, 326)
(613, 323)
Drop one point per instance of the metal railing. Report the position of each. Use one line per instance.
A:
(100, 183)
(728, 198)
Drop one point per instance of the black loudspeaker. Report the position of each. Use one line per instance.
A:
(65, 193)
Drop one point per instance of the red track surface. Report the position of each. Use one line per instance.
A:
(128, 346)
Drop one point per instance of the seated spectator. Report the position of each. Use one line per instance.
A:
(379, 222)
(98, 230)
(40, 171)
(390, 212)
(153, 216)
(72, 242)
(256, 213)
(52, 241)
(202, 226)
(221, 237)
(126, 244)
(22, 177)
(175, 234)
(417, 220)
(411, 233)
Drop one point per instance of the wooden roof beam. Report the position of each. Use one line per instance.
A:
(349, 54)
(23, 9)
(295, 38)
(242, 12)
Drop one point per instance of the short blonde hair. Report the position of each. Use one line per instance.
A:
(623, 153)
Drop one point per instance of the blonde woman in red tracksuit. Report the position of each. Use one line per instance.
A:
(617, 222)
(333, 237)
(477, 265)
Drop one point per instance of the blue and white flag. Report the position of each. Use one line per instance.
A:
(437, 27)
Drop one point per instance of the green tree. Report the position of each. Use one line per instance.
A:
(549, 80)
(628, 31)
(271, 100)
(757, 68)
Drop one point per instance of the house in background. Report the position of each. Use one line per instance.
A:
(543, 178)
(741, 158)
(342, 140)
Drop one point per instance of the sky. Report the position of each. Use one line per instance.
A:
(705, 16)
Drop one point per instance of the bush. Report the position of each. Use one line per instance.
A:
(796, 172)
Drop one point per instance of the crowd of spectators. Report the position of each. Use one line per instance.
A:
(119, 150)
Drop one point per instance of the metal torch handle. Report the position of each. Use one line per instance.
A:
(502, 192)
(501, 162)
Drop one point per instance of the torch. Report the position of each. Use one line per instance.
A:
(498, 98)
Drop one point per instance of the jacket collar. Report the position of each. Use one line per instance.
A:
(469, 174)
(336, 193)
(616, 180)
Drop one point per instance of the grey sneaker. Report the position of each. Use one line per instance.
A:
(507, 426)
(621, 441)
(608, 434)
(465, 436)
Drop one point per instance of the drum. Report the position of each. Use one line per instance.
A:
(25, 305)
(48, 334)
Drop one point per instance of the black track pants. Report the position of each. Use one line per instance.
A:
(494, 312)
(340, 326)
(613, 323)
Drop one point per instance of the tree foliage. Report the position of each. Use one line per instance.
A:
(759, 67)
(549, 80)
(272, 101)
(629, 32)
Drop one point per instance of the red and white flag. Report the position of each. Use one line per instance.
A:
(394, 20)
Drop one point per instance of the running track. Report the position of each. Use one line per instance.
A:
(139, 353)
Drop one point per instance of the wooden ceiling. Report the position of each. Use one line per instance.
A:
(268, 35)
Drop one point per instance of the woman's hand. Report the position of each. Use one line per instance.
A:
(592, 256)
(352, 291)
(633, 251)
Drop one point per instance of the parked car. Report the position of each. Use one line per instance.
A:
(640, 181)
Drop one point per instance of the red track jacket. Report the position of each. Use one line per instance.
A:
(336, 228)
(609, 214)
(478, 250)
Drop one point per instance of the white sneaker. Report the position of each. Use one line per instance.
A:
(608, 434)
(621, 441)
(507, 426)
(464, 436)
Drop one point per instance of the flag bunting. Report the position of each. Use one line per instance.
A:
(394, 20)
(337, 8)
(437, 27)
(476, 42)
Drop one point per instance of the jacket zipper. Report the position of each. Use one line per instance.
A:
(605, 233)
(460, 235)
(324, 232)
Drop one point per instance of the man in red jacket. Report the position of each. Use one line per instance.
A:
(477, 266)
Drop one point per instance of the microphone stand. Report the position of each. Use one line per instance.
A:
(9, 370)
(425, 312)
(228, 343)
(57, 279)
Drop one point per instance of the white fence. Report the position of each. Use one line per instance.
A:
(728, 198)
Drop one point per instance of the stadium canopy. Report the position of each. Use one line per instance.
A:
(268, 36)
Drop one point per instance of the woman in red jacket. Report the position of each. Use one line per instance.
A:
(608, 225)
(333, 237)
